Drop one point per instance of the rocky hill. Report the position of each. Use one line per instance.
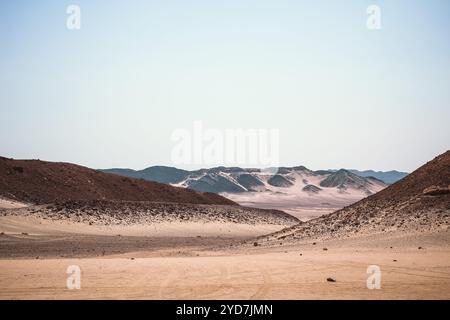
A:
(41, 182)
(420, 202)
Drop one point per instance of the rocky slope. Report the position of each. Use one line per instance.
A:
(418, 203)
(109, 212)
(41, 182)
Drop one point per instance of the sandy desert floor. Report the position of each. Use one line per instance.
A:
(300, 204)
(214, 266)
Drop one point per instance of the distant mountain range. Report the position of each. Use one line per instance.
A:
(235, 179)
(299, 191)
(388, 177)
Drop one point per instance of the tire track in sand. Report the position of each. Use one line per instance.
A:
(264, 288)
(211, 287)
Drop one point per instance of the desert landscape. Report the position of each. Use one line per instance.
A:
(225, 150)
(136, 239)
(299, 191)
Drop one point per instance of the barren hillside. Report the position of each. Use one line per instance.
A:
(42, 182)
(418, 203)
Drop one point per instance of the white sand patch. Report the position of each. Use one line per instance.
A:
(303, 205)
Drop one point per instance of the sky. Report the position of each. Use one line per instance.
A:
(112, 93)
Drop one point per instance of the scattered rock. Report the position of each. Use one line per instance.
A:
(325, 249)
(436, 191)
(255, 244)
(18, 169)
(394, 260)
(314, 243)
(331, 280)
(420, 248)
(25, 233)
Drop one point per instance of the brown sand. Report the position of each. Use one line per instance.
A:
(177, 267)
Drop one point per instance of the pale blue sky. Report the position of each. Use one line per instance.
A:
(111, 94)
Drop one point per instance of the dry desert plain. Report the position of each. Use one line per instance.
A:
(212, 261)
